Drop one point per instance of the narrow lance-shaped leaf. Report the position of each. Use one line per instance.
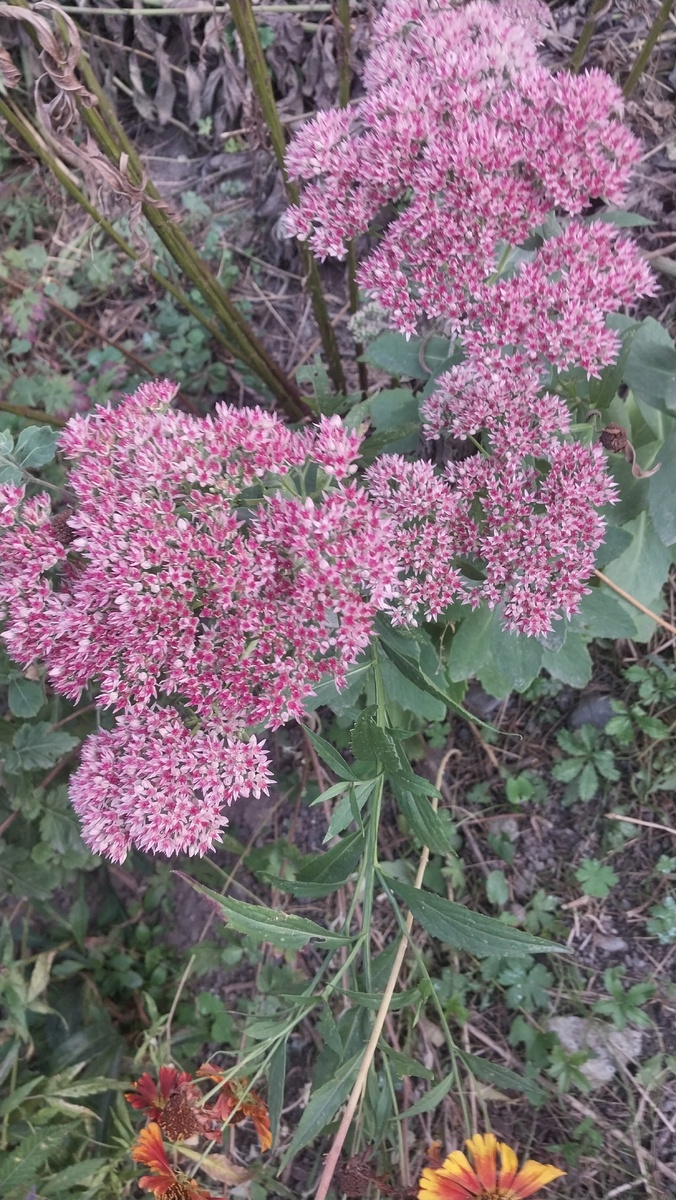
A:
(286, 931)
(466, 930)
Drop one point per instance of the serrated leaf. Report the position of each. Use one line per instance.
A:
(458, 926)
(404, 1065)
(330, 755)
(76, 1175)
(503, 1077)
(344, 812)
(38, 747)
(286, 931)
(323, 1105)
(430, 1100)
(218, 1166)
(18, 1167)
(425, 823)
(326, 872)
(417, 676)
(518, 657)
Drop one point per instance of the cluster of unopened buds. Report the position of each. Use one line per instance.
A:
(201, 577)
(179, 1110)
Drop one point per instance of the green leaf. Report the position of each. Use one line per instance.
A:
(588, 782)
(641, 571)
(601, 614)
(604, 389)
(405, 693)
(470, 645)
(403, 1065)
(518, 657)
(427, 825)
(392, 352)
(595, 878)
(25, 696)
(571, 664)
(323, 1106)
(77, 1174)
(18, 1167)
(330, 755)
(458, 926)
(417, 676)
(651, 367)
(36, 447)
(37, 747)
(343, 813)
(614, 544)
(623, 220)
(286, 932)
(661, 494)
(430, 1100)
(503, 1078)
(325, 873)
(497, 888)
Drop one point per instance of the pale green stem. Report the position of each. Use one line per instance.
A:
(647, 47)
(245, 24)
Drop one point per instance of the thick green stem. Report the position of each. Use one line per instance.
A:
(245, 24)
(19, 122)
(647, 47)
(344, 88)
(249, 349)
(345, 73)
(586, 35)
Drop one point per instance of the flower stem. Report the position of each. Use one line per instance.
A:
(586, 35)
(21, 123)
(112, 139)
(344, 85)
(647, 47)
(245, 24)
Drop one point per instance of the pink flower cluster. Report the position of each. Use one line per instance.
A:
(477, 144)
(199, 591)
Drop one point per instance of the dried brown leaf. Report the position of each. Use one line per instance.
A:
(9, 74)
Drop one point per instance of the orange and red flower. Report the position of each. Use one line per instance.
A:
(235, 1103)
(173, 1102)
(166, 1182)
(482, 1178)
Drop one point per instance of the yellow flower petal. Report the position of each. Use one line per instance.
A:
(484, 1147)
(508, 1168)
(533, 1176)
(434, 1185)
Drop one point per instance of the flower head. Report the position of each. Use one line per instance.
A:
(165, 1182)
(172, 1102)
(236, 1103)
(481, 1177)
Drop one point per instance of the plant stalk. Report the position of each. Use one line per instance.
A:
(241, 336)
(245, 24)
(20, 123)
(344, 86)
(647, 47)
(586, 35)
